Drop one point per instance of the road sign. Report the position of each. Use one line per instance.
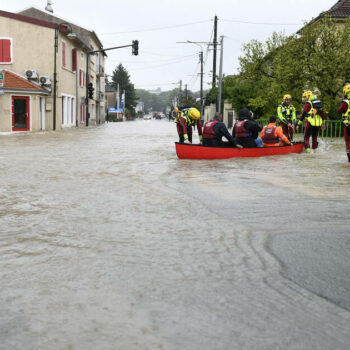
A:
(1, 76)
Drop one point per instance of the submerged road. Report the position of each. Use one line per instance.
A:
(108, 241)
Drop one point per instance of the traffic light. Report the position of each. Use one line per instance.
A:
(135, 47)
(91, 90)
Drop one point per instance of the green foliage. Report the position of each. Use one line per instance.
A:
(211, 96)
(238, 91)
(317, 60)
(121, 76)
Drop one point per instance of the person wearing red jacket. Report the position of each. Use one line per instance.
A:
(315, 116)
(213, 132)
(184, 122)
(344, 111)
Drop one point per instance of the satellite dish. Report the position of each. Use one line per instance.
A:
(49, 7)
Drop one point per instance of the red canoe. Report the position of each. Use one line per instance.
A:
(191, 151)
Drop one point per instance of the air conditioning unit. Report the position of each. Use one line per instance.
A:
(31, 74)
(45, 80)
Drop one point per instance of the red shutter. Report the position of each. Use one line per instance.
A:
(63, 54)
(74, 60)
(5, 51)
(79, 77)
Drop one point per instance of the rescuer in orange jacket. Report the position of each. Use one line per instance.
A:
(272, 135)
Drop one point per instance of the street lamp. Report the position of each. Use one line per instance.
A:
(71, 35)
(201, 73)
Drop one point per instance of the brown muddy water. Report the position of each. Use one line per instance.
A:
(108, 241)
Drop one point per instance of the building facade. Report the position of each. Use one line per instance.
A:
(27, 51)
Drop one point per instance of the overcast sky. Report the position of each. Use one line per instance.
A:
(161, 62)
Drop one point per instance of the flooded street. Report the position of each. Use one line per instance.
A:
(108, 241)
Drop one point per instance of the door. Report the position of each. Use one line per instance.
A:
(42, 113)
(20, 113)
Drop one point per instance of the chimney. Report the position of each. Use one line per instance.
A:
(49, 7)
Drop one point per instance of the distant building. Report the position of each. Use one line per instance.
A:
(111, 96)
(156, 92)
(140, 107)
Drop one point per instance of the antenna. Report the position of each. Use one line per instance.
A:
(49, 7)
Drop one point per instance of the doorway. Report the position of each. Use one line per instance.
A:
(42, 113)
(20, 113)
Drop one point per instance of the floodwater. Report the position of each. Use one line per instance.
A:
(108, 241)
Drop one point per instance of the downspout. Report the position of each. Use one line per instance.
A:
(76, 93)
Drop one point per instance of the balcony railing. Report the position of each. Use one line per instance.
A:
(100, 71)
(334, 128)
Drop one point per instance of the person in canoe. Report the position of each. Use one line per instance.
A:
(287, 116)
(246, 130)
(273, 136)
(184, 121)
(315, 117)
(214, 130)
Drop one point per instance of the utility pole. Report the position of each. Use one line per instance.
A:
(201, 60)
(214, 52)
(180, 85)
(186, 94)
(220, 73)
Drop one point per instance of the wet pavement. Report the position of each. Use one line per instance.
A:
(108, 241)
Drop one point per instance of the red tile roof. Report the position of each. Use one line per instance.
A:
(340, 10)
(13, 81)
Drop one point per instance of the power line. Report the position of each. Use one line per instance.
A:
(192, 83)
(159, 54)
(158, 28)
(153, 61)
(159, 84)
(163, 65)
(261, 23)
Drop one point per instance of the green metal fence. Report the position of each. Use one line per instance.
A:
(334, 128)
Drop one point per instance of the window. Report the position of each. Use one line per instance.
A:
(68, 111)
(64, 62)
(74, 60)
(81, 78)
(5, 50)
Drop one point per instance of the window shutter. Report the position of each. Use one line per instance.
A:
(74, 60)
(80, 77)
(63, 54)
(5, 51)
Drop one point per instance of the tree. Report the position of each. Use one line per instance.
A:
(121, 76)
(317, 60)
(238, 91)
(107, 81)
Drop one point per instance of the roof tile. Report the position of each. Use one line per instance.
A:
(15, 81)
(340, 10)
